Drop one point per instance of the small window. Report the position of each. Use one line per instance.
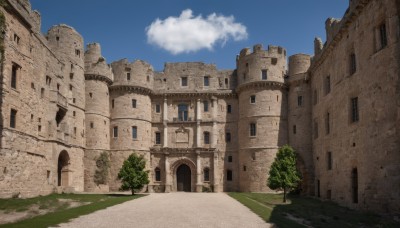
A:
(294, 129)
(206, 81)
(264, 74)
(78, 52)
(128, 76)
(74, 130)
(16, 38)
(42, 93)
(253, 129)
(133, 103)
(158, 108)
(57, 38)
(229, 109)
(39, 128)
(327, 124)
(353, 63)
(70, 87)
(226, 82)
(184, 81)
(91, 125)
(115, 132)
(354, 185)
(91, 95)
(206, 173)
(73, 100)
(73, 113)
(253, 99)
(134, 132)
(157, 172)
(48, 80)
(383, 35)
(244, 168)
(329, 160)
(58, 87)
(112, 103)
(230, 158)
(299, 101)
(13, 118)
(14, 72)
(205, 103)
(327, 85)
(48, 177)
(71, 76)
(228, 137)
(354, 110)
(229, 175)
(206, 137)
(158, 138)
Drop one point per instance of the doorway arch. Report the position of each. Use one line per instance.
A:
(63, 169)
(184, 178)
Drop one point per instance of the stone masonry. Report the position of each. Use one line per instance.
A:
(200, 128)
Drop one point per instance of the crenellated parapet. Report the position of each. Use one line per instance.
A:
(137, 74)
(96, 67)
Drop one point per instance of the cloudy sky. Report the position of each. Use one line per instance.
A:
(211, 31)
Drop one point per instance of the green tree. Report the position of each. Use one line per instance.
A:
(283, 174)
(132, 173)
(103, 165)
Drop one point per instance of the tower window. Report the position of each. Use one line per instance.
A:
(14, 72)
(206, 81)
(71, 76)
(229, 175)
(206, 173)
(128, 76)
(264, 74)
(253, 129)
(70, 87)
(158, 138)
(91, 95)
(206, 137)
(228, 137)
(78, 52)
(353, 63)
(48, 80)
(354, 183)
(184, 81)
(327, 123)
(42, 93)
(294, 129)
(230, 158)
(91, 125)
(158, 108)
(112, 103)
(74, 130)
(354, 110)
(157, 172)
(329, 160)
(115, 132)
(327, 84)
(229, 108)
(134, 132)
(133, 103)
(383, 35)
(226, 82)
(205, 103)
(299, 101)
(16, 38)
(73, 113)
(253, 99)
(13, 118)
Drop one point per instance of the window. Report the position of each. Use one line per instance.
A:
(205, 103)
(253, 129)
(58, 87)
(112, 103)
(228, 137)
(70, 87)
(329, 160)
(327, 85)
(318, 188)
(299, 101)
(133, 103)
(327, 124)
(13, 118)
(206, 81)
(315, 129)
(229, 175)
(74, 130)
(158, 108)
(230, 158)
(48, 80)
(206, 137)
(158, 138)
(294, 129)
(244, 168)
(264, 74)
(128, 76)
(42, 93)
(354, 110)
(91, 125)
(157, 171)
(183, 112)
(229, 108)
(115, 132)
(134, 132)
(14, 72)
(184, 81)
(206, 173)
(16, 38)
(91, 95)
(353, 63)
(226, 82)
(73, 100)
(354, 185)
(253, 99)
(74, 113)
(71, 76)
(78, 53)
(383, 35)
(48, 177)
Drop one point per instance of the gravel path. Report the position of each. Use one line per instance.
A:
(174, 210)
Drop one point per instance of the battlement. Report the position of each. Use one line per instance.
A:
(95, 63)
(136, 73)
(258, 48)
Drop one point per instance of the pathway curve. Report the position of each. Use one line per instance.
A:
(174, 210)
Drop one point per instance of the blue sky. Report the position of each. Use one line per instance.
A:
(120, 26)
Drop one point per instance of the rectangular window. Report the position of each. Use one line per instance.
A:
(264, 74)
(14, 72)
(327, 84)
(229, 175)
(48, 80)
(78, 53)
(253, 129)
(158, 108)
(353, 63)
(158, 174)
(115, 132)
(228, 137)
(205, 103)
(354, 110)
(294, 129)
(183, 112)
(354, 185)
(134, 132)
(206, 137)
(184, 81)
(329, 160)
(91, 125)
(253, 99)
(112, 103)
(327, 124)
(299, 101)
(226, 82)
(16, 38)
(133, 103)
(158, 138)
(206, 81)
(383, 35)
(229, 108)
(128, 76)
(13, 118)
(230, 158)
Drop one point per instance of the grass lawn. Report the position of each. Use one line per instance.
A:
(303, 212)
(45, 211)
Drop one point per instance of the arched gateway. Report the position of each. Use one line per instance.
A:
(62, 169)
(183, 178)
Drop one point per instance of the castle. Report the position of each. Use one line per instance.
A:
(200, 128)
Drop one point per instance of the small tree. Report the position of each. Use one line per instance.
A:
(132, 173)
(103, 165)
(283, 173)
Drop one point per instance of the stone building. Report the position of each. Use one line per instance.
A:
(200, 128)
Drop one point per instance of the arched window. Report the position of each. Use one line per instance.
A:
(183, 112)
(157, 172)
(206, 174)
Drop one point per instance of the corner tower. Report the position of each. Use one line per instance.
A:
(262, 123)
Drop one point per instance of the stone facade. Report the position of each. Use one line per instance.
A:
(200, 128)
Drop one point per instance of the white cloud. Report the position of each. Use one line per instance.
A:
(188, 33)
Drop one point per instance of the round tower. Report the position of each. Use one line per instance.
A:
(299, 118)
(262, 113)
(131, 115)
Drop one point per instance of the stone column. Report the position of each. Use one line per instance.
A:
(198, 127)
(168, 182)
(199, 183)
(216, 172)
(214, 133)
(165, 123)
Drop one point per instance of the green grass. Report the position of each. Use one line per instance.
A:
(316, 213)
(61, 213)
